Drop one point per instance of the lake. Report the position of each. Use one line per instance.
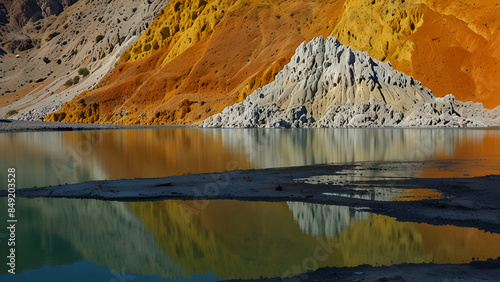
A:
(52, 158)
(78, 240)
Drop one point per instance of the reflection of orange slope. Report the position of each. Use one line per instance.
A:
(234, 239)
(382, 240)
(418, 194)
(442, 245)
(158, 153)
(477, 154)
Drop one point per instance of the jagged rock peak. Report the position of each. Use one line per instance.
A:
(326, 84)
(325, 72)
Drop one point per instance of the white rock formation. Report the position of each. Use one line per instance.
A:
(326, 84)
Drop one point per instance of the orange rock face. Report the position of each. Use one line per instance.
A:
(199, 57)
(447, 45)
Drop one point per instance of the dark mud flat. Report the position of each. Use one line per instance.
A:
(474, 271)
(468, 202)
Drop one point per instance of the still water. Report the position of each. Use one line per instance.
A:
(227, 239)
(81, 240)
(51, 158)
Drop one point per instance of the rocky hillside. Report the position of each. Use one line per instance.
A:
(326, 84)
(15, 14)
(199, 57)
(44, 44)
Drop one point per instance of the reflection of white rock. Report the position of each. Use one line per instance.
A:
(373, 194)
(359, 192)
(326, 84)
(280, 148)
(324, 220)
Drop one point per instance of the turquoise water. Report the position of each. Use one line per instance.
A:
(85, 271)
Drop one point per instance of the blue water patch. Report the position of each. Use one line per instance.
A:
(85, 271)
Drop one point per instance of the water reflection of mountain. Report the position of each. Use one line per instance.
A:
(235, 239)
(44, 158)
(51, 158)
(63, 231)
(296, 147)
(280, 148)
(231, 239)
(324, 220)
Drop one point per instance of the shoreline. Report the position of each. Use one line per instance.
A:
(465, 201)
(10, 126)
(475, 271)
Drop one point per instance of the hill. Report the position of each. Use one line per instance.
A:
(44, 43)
(199, 57)
(326, 84)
